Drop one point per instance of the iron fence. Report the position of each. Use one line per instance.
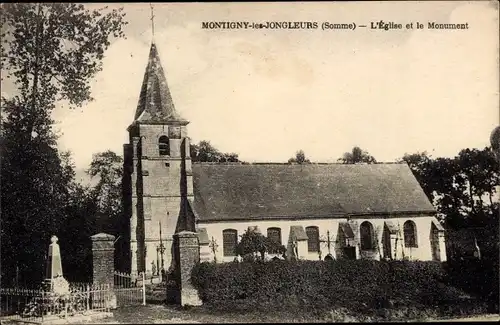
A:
(129, 290)
(39, 305)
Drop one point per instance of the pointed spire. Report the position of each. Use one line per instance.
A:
(155, 101)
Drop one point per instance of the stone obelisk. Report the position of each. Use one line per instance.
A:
(54, 264)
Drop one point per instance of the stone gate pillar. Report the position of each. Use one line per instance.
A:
(103, 258)
(186, 256)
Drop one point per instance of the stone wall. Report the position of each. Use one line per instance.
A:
(423, 225)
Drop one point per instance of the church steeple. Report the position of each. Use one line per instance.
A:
(158, 179)
(155, 101)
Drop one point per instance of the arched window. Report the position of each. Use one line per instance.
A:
(410, 234)
(274, 234)
(312, 238)
(164, 146)
(367, 235)
(229, 241)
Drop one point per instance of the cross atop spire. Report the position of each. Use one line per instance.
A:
(155, 102)
(152, 22)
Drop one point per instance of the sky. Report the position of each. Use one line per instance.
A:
(265, 94)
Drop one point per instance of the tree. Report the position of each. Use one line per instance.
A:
(107, 194)
(356, 156)
(463, 190)
(462, 187)
(107, 197)
(480, 171)
(495, 141)
(33, 193)
(40, 198)
(300, 158)
(50, 52)
(75, 232)
(253, 242)
(421, 165)
(205, 152)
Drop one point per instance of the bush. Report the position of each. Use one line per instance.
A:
(254, 243)
(477, 277)
(358, 285)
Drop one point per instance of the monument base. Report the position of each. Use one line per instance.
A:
(58, 285)
(189, 297)
(87, 317)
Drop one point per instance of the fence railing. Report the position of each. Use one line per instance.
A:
(129, 290)
(124, 280)
(38, 305)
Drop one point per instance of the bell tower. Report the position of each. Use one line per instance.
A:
(157, 173)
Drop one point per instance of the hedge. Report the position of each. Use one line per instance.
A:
(357, 285)
(478, 277)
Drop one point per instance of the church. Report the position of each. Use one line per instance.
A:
(317, 211)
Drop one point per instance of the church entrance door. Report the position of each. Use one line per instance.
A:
(349, 253)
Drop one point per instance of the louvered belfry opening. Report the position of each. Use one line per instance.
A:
(163, 146)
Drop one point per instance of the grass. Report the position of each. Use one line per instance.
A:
(161, 314)
(157, 312)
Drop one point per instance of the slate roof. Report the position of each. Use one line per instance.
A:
(347, 229)
(393, 229)
(438, 225)
(155, 101)
(298, 233)
(267, 191)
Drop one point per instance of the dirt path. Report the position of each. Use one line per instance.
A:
(484, 318)
(155, 314)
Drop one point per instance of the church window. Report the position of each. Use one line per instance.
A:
(410, 234)
(164, 146)
(274, 234)
(312, 238)
(367, 236)
(229, 241)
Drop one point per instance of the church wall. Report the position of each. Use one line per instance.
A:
(153, 255)
(215, 230)
(162, 180)
(423, 251)
(423, 225)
